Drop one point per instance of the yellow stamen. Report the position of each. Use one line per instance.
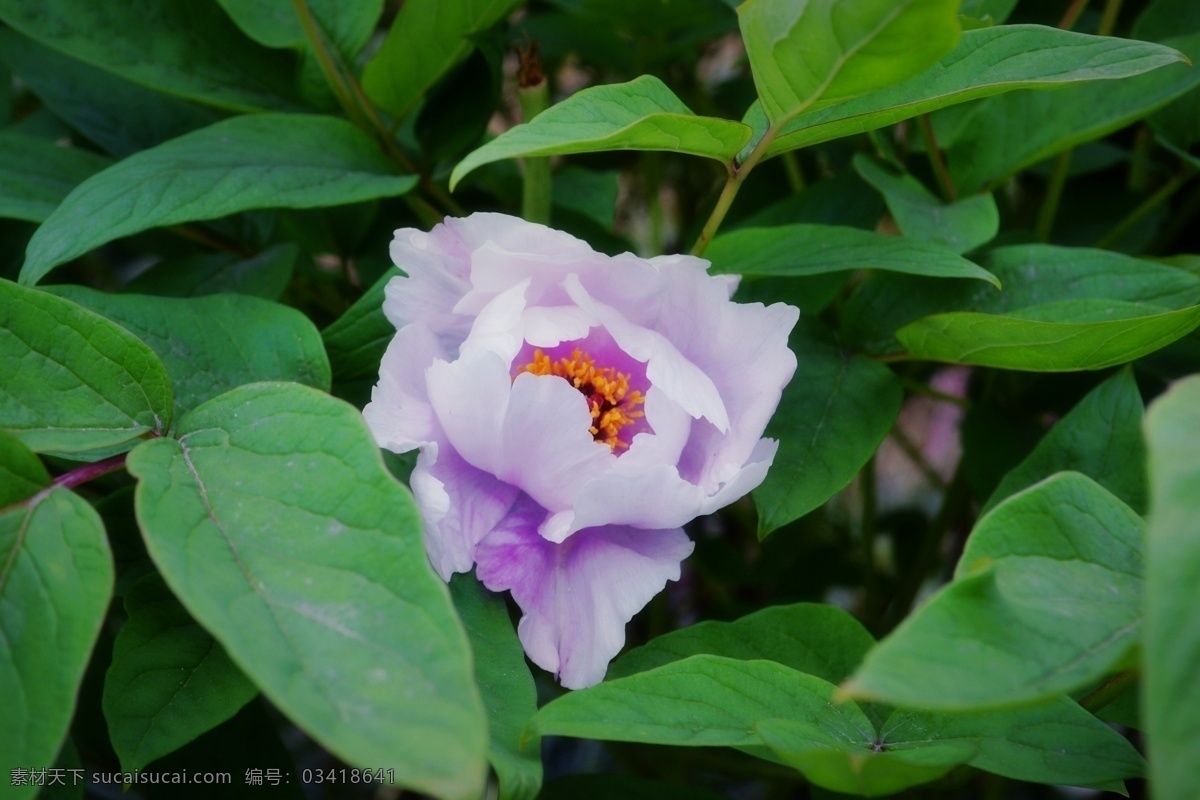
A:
(612, 403)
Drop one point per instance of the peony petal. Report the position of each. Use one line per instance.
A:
(399, 414)
(548, 449)
(497, 329)
(470, 398)
(576, 597)
(459, 506)
(666, 367)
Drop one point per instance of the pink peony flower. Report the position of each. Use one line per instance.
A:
(573, 411)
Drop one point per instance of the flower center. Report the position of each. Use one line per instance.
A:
(609, 398)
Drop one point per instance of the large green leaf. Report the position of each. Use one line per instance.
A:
(119, 115)
(356, 340)
(640, 115)
(1100, 437)
(1163, 20)
(36, 175)
(427, 38)
(832, 416)
(168, 682)
(1171, 700)
(815, 639)
(1055, 742)
(1046, 598)
(776, 712)
(801, 250)
(55, 584)
(813, 54)
(703, 700)
(215, 343)
(275, 23)
(851, 768)
(167, 46)
(986, 62)
(274, 521)
(265, 275)
(1032, 275)
(506, 685)
(960, 227)
(998, 136)
(1039, 345)
(21, 472)
(257, 161)
(70, 380)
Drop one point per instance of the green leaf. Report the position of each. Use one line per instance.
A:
(986, 146)
(70, 380)
(987, 61)
(800, 250)
(1171, 699)
(356, 340)
(166, 46)
(1031, 275)
(36, 175)
(640, 115)
(704, 701)
(832, 416)
(55, 586)
(996, 10)
(22, 473)
(1100, 437)
(506, 685)
(427, 38)
(274, 521)
(120, 116)
(275, 23)
(256, 161)
(1045, 599)
(816, 639)
(215, 343)
(1164, 20)
(960, 227)
(860, 770)
(809, 55)
(265, 275)
(169, 681)
(1056, 742)
(1040, 346)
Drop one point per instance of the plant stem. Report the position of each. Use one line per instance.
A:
(937, 159)
(737, 174)
(1145, 209)
(89, 472)
(955, 499)
(918, 458)
(795, 174)
(917, 387)
(536, 192)
(362, 112)
(1112, 9)
(1054, 191)
(1068, 20)
(1110, 690)
(869, 525)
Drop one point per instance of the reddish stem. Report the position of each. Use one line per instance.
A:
(89, 472)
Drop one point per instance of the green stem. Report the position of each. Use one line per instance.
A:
(1112, 9)
(870, 511)
(362, 113)
(1110, 690)
(536, 193)
(918, 458)
(1068, 20)
(953, 502)
(737, 175)
(1054, 191)
(1155, 200)
(937, 159)
(795, 174)
(917, 387)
